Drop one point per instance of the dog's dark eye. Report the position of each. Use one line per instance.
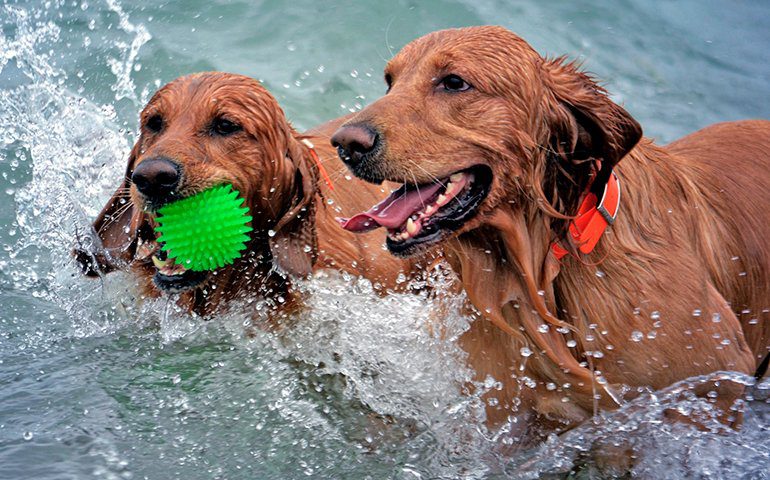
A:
(388, 81)
(154, 123)
(453, 83)
(224, 127)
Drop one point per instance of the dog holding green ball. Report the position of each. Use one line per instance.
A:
(223, 199)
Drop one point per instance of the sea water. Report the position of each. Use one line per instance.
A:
(94, 384)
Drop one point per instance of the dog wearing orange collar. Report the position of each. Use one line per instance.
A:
(513, 165)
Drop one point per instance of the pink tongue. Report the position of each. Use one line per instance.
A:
(392, 212)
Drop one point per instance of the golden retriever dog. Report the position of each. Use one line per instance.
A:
(215, 128)
(595, 278)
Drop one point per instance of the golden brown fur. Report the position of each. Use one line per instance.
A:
(685, 265)
(273, 170)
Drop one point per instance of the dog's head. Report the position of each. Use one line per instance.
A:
(200, 131)
(475, 118)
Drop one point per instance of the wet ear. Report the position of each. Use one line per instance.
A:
(295, 244)
(112, 241)
(586, 124)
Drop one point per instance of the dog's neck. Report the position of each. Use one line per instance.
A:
(596, 300)
(513, 254)
(251, 277)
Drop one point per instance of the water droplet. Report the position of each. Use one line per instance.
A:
(541, 293)
(27, 436)
(716, 317)
(525, 352)
(271, 233)
(571, 343)
(652, 334)
(637, 336)
(655, 315)
(307, 249)
(543, 328)
(600, 274)
(529, 382)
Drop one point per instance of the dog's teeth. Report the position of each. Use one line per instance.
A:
(442, 199)
(159, 264)
(172, 269)
(431, 210)
(145, 249)
(456, 177)
(411, 227)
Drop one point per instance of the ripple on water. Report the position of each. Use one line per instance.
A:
(97, 384)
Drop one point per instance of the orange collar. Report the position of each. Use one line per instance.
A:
(318, 163)
(593, 218)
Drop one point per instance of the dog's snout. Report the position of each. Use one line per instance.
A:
(354, 142)
(156, 177)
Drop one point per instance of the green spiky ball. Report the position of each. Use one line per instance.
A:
(205, 231)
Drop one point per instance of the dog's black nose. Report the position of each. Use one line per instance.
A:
(353, 142)
(157, 177)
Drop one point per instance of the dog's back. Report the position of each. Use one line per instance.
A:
(731, 167)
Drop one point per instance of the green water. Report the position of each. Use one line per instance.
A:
(94, 386)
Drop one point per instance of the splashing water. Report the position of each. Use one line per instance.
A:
(98, 384)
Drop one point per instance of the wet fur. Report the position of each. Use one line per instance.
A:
(691, 233)
(273, 170)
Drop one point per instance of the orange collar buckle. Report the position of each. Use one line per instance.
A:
(593, 218)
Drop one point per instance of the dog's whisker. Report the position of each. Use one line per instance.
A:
(433, 177)
(115, 216)
(419, 194)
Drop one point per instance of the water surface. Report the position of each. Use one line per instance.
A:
(93, 385)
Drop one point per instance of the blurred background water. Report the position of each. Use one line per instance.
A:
(92, 386)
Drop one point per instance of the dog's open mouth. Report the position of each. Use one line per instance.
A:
(421, 215)
(169, 276)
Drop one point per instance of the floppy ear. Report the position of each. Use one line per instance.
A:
(111, 243)
(586, 125)
(295, 244)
